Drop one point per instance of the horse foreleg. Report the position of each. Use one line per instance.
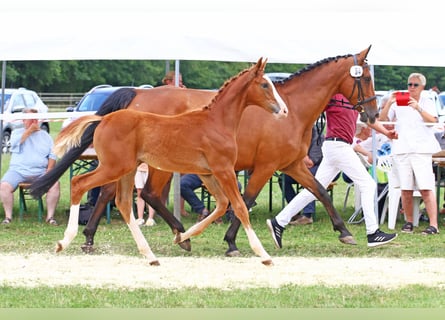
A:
(107, 193)
(124, 192)
(230, 238)
(71, 229)
(226, 180)
(221, 206)
(232, 231)
(152, 194)
(256, 182)
(242, 214)
(141, 242)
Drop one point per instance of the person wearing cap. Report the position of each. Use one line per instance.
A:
(413, 151)
(169, 79)
(31, 157)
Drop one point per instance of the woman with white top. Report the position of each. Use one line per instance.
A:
(413, 150)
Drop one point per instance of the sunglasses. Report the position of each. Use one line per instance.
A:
(415, 85)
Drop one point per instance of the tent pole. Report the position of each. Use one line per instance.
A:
(177, 175)
(2, 103)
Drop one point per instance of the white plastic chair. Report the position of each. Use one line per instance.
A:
(392, 203)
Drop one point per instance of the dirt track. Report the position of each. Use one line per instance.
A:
(224, 273)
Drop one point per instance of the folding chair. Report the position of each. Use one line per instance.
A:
(25, 195)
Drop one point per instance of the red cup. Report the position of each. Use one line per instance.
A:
(402, 98)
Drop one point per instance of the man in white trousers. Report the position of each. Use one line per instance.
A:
(338, 155)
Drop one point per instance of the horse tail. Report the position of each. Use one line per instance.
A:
(120, 99)
(71, 136)
(41, 185)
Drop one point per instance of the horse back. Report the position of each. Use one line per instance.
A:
(170, 100)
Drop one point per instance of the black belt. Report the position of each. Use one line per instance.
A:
(337, 139)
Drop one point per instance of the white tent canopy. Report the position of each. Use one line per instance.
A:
(401, 33)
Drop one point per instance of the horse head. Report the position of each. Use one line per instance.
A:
(362, 93)
(264, 88)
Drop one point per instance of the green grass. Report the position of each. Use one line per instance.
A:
(316, 240)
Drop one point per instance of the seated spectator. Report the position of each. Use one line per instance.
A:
(31, 157)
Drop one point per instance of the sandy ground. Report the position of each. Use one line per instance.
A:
(223, 273)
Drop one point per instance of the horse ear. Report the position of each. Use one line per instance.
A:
(262, 63)
(257, 67)
(367, 51)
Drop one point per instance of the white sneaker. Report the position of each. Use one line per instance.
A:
(150, 222)
(140, 222)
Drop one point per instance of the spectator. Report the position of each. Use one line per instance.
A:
(412, 152)
(440, 136)
(312, 161)
(169, 79)
(338, 155)
(31, 157)
(189, 183)
(139, 182)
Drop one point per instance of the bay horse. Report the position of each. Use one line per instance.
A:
(201, 142)
(306, 93)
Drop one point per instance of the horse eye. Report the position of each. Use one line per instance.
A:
(265, 85)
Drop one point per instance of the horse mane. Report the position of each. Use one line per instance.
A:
(224, 86)
(313, 66)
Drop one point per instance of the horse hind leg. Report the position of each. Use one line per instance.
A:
(124, 192)
(71, 229)
(309, 182)
(79, 185)
(106, 194)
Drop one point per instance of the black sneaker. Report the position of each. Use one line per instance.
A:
(379, 238)
(276, 230)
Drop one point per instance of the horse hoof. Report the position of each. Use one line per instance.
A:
(348, 240)
(186, 245)
(233, 253)
(155, 263)
(59, 247)
(267, 262)
(87, 248)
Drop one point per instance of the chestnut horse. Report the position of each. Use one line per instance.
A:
(306, 92)
(201, 142)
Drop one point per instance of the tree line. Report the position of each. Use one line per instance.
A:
(81, 75)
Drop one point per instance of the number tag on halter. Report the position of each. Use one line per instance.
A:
(356, 71)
